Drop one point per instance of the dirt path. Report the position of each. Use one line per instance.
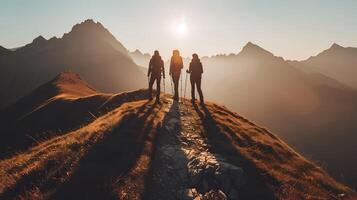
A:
(183, 166)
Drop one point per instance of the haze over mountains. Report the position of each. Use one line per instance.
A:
(336, 62)
(88, 49)
(313, 112)
(140, 58)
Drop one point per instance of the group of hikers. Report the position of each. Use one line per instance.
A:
(156, 70)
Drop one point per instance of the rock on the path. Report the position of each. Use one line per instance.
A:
(229, 176)
(207, 172)
(214, 195)
(173, 154)
(172, 125)
(189, 194)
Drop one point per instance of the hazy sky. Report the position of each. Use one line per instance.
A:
(292, 29)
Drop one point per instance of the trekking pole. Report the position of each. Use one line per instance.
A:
(163, 81)
(148, 83)
(184, 96)
(181, 85)
(172, 90)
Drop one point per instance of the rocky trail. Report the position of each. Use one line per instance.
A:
(184, 166)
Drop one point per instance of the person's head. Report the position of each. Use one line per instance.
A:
(156, 53)
(176, 52)
(194, 56)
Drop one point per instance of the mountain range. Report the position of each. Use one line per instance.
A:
(312, 111)
(89, 49)
(336, 62)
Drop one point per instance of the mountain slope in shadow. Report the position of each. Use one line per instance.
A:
(89, 49)
(64, 103)
(138, 149)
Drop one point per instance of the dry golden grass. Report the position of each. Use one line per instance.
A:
(286, 172)
(111, 156)
(60, 153)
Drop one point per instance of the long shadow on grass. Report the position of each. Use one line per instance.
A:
(56, 118)
(109, 159)
(255, 187)
(105, 162)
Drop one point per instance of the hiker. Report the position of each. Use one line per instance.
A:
(176, 66)
(195, 70)
(156, 67)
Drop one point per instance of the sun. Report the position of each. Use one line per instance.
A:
(180, 29)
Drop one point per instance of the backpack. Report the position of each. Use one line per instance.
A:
(156, 65)
(176, 64)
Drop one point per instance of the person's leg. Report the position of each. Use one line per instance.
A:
(176, 86)
(198, 85)
(151, 83)
(192, 88)
(158, 88)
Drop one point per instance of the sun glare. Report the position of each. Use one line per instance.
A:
(180, 28)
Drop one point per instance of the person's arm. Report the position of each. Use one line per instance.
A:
(181, 63)
(201, 68)
(149, 69)
(189, 68)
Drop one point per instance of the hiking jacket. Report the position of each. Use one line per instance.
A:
(195, 69)
(156, 67)
(176, 66)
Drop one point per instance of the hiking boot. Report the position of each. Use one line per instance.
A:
(158, 101)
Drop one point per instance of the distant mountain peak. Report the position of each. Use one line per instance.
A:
(251, 48)
(40, 39)
(87, 26)
(67, 75)
(137, 51)
(336, 46)
(68, 81)
(89, 23)
(250, 44)
(89, 32)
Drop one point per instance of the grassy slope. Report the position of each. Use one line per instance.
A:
(264, 155)
(110, 157)
(91, 159)
(61, 105)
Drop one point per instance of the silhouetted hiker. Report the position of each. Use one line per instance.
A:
(195, 71)
(156, 67)
(176, 66)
